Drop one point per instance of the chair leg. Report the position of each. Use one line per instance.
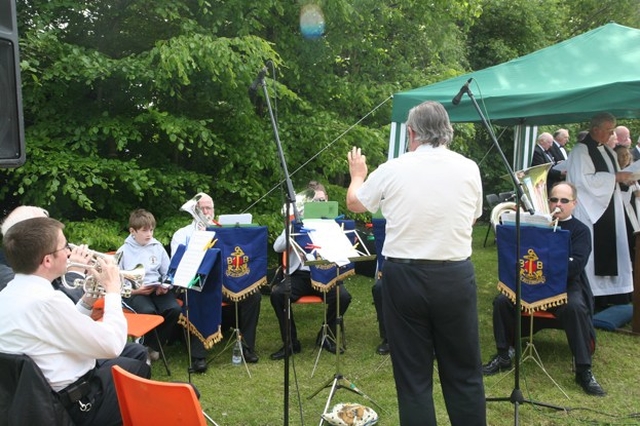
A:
(486, 236)
(164, 359)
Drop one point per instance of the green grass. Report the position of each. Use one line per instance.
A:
(233, 398)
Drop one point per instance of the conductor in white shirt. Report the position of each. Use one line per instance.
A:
(44, 324)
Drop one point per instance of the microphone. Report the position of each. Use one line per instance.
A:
(259, 79)
(463, 90)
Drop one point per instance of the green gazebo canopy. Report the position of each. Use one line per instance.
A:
(564, 83)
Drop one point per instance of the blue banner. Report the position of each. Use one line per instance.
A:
(379, 232)
(202, 308)
(244, 259)
(542, 263)
(325, 276)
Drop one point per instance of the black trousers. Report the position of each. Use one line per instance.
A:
(102, 396)
(248, 316)
(165, 305)
(376, 292)
(430, 313)
(301, 286)
(574, 316)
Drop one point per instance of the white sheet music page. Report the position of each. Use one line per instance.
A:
(330, 241)
(194, 254)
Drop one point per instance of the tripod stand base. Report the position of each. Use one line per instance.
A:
(233, 341)
(517, 399)
(339, 381)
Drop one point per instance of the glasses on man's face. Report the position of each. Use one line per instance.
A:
(559, 200)
(65, 247)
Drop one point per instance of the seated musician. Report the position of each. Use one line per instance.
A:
(79, 255)
(248, 307)
(300, 278)
(31, 314)
(575, 316)
(152, 297)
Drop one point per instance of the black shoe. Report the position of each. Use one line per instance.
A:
(249, 355)
(280, 354)
(496, 365)
(198, 365)
(589, 384)
(383, 348)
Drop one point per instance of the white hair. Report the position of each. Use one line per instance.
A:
(22, 213)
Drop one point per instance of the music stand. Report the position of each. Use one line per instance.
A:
(516, 397)
(332, 246)
(235, 235)
(322, 210)
(189, 270)
(231, 342)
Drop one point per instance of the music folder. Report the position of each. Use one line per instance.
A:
(191, 265)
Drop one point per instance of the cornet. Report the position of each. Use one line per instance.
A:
(129, 279)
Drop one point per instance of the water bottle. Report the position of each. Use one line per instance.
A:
(236, 355)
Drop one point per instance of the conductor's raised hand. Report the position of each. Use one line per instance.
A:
(357, 164)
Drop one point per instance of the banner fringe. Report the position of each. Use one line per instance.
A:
(539, 305)
(209, 341)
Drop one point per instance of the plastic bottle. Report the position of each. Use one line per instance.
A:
(236, 355)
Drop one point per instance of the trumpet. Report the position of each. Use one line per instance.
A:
(129, 279)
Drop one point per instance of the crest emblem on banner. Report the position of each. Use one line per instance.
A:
(532, 268)
(237, 263)
(541, 265)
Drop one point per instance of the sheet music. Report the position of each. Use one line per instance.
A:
(192, 258)
(633, 168)
(539, 219)
(233, 219)
(330, 240)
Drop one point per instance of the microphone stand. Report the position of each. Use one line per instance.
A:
(516, 397)
(290, 205)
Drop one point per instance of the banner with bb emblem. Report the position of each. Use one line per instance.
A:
(542, 263)
(325, 275)
(244, 257)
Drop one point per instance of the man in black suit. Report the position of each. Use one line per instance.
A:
(560, 139)
(635, 151)
(575, 316)
(542, 154)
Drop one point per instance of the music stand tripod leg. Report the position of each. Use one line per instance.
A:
(338, 378)
(233, 341)
(325, 331)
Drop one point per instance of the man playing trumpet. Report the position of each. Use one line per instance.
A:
(45, 325)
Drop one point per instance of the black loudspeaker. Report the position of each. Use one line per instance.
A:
(12, 147)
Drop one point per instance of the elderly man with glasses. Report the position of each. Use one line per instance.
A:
(575, 316)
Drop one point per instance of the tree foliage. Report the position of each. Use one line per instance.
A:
(143, 103)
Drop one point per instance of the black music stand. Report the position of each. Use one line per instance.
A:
(200, 276)
(516, 397)
(289, 208)
(338, 380)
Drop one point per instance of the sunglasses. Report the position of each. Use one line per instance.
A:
(559, 200)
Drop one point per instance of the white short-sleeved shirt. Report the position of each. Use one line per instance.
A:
(430, 199)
